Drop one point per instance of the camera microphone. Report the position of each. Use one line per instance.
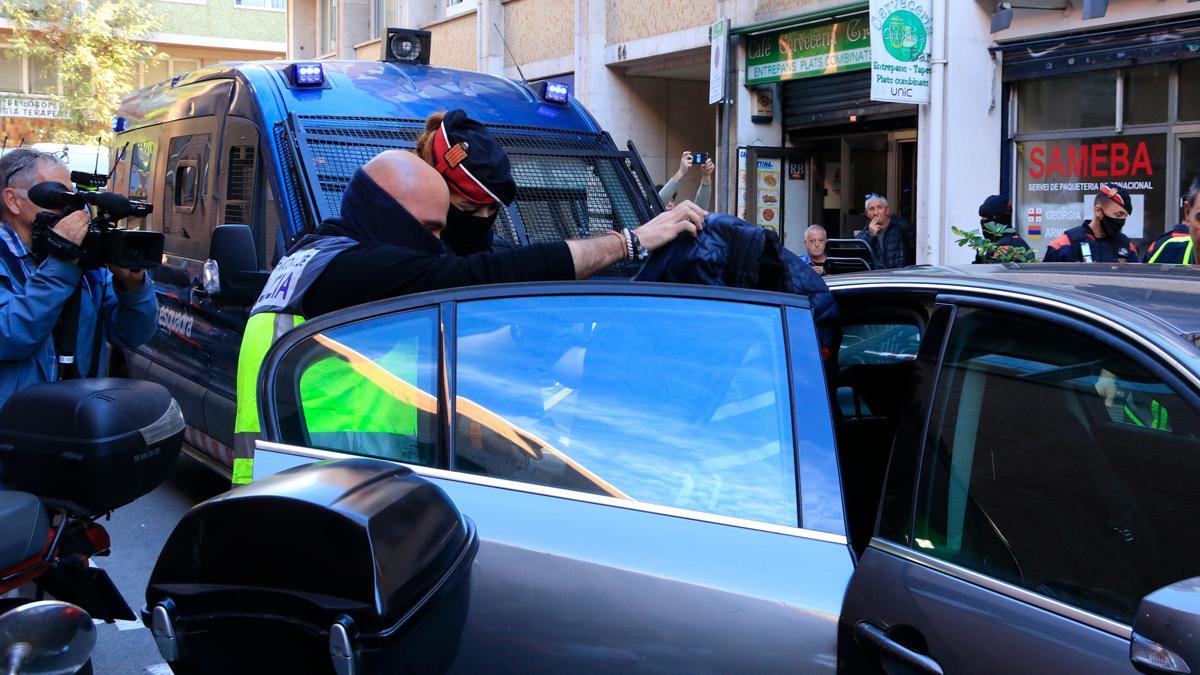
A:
(115, 205)
(51, 195)
(56, 196)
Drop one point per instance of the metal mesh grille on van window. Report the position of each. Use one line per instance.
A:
(292, 186)
(239, 189)
(569, 184)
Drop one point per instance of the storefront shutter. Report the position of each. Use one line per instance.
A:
(1138, 45)
(831, 99)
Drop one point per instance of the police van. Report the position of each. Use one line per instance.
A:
(240, 160)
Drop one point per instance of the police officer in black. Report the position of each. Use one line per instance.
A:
(998, 209)
(1100, 239)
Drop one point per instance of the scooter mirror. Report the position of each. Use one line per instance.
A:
(45, 638)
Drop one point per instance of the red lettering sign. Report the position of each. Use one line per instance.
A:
(1090, 160)
(1037, 165)
(1120, 159)
(1077, 158)
(1141, 161)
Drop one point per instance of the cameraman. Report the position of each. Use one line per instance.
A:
(115, 304)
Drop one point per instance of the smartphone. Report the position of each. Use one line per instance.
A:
(699, 158)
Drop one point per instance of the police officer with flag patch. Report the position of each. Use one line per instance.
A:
(477, 172)
(1100, 239)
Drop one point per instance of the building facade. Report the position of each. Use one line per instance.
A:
(193, 34)
(1041, 106)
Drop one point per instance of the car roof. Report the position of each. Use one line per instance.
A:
(386, 90)
(1167, 295)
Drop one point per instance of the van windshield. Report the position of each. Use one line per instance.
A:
(570, 185)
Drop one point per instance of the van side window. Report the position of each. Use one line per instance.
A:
(141, 165)
(185, 220)
(186, 177)
(138, 180)
(239, 188)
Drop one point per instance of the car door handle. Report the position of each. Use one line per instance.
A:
(878, 640)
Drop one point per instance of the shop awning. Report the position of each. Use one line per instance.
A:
(802, 20)
(1137, 45)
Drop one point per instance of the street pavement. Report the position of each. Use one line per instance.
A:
(138, 532)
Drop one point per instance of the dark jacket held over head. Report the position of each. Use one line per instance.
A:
(731, 252)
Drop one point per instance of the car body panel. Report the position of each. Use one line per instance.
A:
(597, 588)
(968, 628)
(940, 610)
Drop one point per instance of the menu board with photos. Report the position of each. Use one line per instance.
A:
(768, 188)
(741, 185)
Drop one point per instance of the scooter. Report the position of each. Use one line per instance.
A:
(51, 546)
(70, 453)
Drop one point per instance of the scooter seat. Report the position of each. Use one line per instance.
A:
(23, 527)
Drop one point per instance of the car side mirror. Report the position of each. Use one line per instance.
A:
(1165, 630)
(46, 637)
(231, 274)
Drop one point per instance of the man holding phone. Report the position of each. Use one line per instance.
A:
(669, 190)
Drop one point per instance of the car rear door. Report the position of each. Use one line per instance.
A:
(1044, 492)
(653, 492)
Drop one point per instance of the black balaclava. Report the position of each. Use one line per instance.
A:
(370, 214)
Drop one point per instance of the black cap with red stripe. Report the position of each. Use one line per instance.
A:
(1117, 195)
(472, 161)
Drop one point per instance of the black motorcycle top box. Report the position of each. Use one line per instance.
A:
(346, 566)
(93, 445)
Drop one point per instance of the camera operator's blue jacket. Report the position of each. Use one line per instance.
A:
(32, 297)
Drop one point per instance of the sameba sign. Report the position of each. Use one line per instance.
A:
(1102, 160)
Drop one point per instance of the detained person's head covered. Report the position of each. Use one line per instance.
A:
(477, 171)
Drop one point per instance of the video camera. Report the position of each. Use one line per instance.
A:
(105, 243)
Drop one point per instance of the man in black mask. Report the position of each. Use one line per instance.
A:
(1101, 239)
(388, 242)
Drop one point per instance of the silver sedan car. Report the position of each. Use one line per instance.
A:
(992, 473)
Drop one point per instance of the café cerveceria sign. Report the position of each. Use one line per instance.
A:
(810, 51)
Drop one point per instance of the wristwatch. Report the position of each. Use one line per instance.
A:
(637, 251)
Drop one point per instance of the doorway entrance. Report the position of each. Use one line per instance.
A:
(848, 168)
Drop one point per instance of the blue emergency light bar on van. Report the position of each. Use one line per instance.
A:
(556, 92)
(307, 75)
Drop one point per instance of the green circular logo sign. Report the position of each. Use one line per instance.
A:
(904, 36)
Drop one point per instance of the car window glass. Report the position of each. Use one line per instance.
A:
(820, 483)
(676, 402)
(867, 345)
(1058, 464)
(878, 343)
(368, 388)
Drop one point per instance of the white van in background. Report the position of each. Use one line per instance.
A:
(86, 158)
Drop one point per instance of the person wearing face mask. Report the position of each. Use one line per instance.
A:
(386, 242)
(1178, 245)
(1100, 239)
(478, 174)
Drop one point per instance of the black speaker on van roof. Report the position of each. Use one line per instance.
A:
(407, 45)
